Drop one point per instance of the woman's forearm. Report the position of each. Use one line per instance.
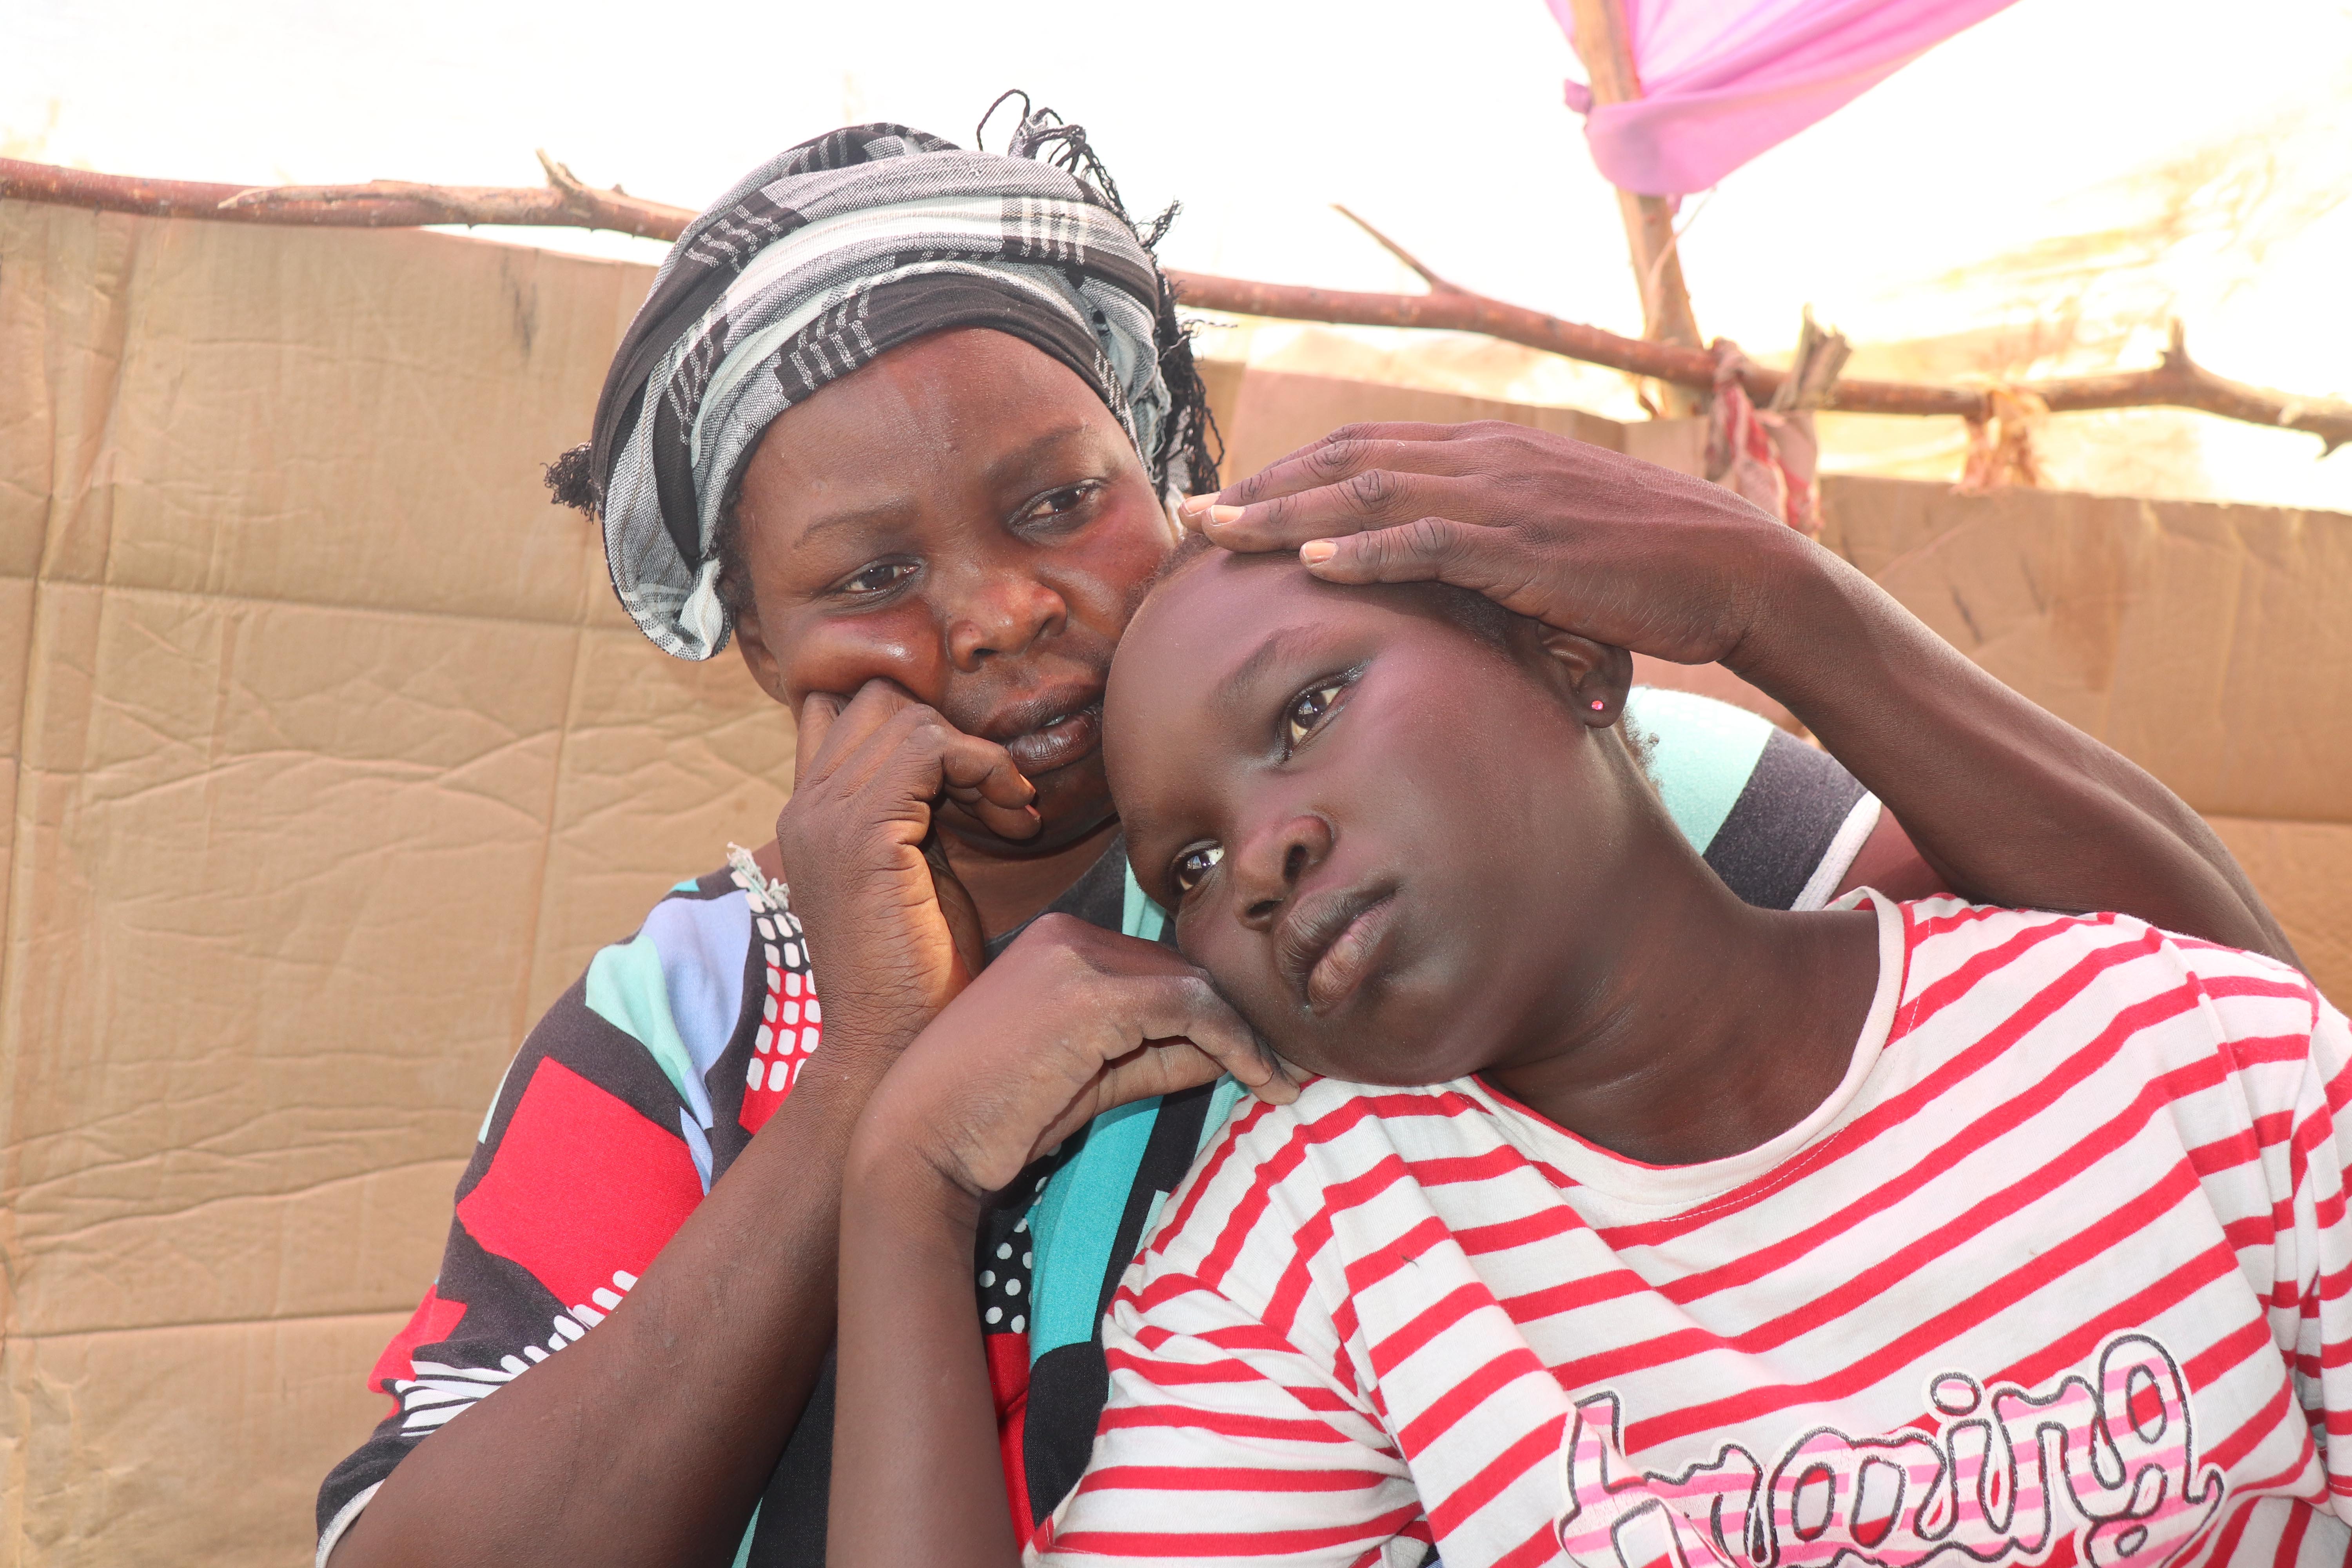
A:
(651, 1437)
(2010, 803)
(916, 1476)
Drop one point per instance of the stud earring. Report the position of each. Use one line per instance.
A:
(1597, 705)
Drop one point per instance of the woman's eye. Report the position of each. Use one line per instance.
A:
(1308, 709)
(1194, 864)
(878, 578)
(1060, 503)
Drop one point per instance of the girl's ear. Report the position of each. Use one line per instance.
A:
(1593, 676)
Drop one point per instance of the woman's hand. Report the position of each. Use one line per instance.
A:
(1574, 535)
(893, 933)
(1069, 1022)
(2006, 803)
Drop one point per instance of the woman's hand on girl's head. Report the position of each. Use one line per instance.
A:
(2004, 803)
(1070, 1021)
(1580, 537)
(893, 935)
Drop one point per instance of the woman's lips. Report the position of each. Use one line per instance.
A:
(1351, 957)
(1058, 744)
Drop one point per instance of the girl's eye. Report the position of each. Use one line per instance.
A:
(1308, 709)
(1194, 864)
(880, 577)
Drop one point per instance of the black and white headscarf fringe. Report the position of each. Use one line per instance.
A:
(829, 255)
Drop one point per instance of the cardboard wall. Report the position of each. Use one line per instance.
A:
(326, 759)
(332, 758)
(2208, 643)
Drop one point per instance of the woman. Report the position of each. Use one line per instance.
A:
(905, 421)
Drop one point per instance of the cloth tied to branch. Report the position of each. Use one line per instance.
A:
(1723, 80)
(1766, 455)
(813, 265)
(2001, 450)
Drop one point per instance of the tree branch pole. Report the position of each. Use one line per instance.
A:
(2176, 382)
(1605, 44)
(563, 202)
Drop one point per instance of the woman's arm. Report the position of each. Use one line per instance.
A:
(2007, 803)
(651, 1437)
(1069, 1022)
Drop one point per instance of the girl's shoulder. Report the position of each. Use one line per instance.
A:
(1975, 970)
(1279, 1173)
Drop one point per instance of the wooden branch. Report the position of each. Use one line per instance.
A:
(2176, 382)
(380, 204)
(1436, 285)
(1604, 42)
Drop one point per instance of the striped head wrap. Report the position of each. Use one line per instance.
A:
(818, 262)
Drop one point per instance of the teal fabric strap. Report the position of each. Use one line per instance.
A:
(1075, 1222)
(1701, 754)
(1142, 917)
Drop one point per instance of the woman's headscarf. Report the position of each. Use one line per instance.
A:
(822, 259)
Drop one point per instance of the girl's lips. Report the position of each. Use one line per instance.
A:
(1349, 957)
(1057, 744)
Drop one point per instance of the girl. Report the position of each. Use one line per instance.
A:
(1716, 1235)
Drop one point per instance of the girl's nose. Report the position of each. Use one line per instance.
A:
(1269, 864)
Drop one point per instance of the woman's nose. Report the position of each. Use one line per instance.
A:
(1003, 613)
(1269, 864)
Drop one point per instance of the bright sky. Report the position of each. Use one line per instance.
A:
(2094, 166)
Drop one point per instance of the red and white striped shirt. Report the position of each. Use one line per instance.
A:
(2058, 1274)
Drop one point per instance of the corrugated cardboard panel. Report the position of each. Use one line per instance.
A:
(183, 1446)
(281, 414)
(2304, 872)
(274, 899)
(697, 747)
(2206, 642)
(295, 656)
(16, 648)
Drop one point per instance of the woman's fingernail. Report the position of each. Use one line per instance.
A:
(1193, 506)
(1315, 552)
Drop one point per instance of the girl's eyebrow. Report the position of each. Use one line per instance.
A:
(1283, 643)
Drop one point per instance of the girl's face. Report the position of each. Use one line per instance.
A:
(965, 517)
(1397, 847)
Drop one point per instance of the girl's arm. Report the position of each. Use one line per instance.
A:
(2007, 803)
(1069, 1023)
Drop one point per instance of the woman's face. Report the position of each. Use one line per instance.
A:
(1391, 842)
(965, 517)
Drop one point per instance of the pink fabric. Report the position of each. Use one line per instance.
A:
(1724, 80)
